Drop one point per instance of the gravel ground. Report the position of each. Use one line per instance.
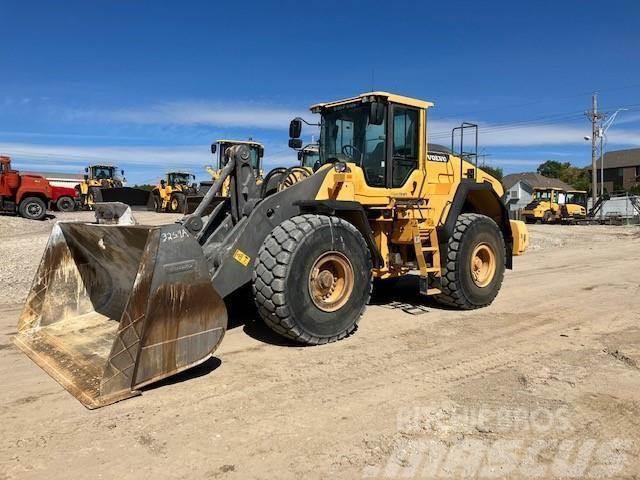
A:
(543, 383)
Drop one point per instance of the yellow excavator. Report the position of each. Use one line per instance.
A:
(115, 308)
(101, 183)
(170, 195)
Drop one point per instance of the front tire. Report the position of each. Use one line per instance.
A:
(66, 204)
(176, 203)
(32, 208)
(94, 196)
(313, 278)
(473, 270)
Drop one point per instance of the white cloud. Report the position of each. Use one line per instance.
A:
(227, 115)
(152, 161)
(532, 135)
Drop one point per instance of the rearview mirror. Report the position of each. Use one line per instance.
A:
(214, 147)
(295, 128)
(261, 152)
(376, 113)
(122, 172)
(295, 143)
(300, 156)
(86, 169)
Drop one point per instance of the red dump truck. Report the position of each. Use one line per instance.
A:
(30, 195)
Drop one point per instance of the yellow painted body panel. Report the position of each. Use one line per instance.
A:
(520, 236)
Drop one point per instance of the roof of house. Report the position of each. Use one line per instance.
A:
(620, 158)
(58, 175)
(534, 180)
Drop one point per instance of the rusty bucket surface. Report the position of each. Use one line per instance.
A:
(113, 308)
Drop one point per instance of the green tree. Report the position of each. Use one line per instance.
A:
(145, 186)
(495, 172)
(577, 177)
(552, 168)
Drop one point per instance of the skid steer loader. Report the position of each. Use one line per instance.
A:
(114, 308)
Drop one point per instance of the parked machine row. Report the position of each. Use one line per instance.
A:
(554, 205)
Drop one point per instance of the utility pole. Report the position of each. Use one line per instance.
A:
(594, 116)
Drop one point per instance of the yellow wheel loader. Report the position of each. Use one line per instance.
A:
(308, 162)
(544, 207)
(218, 149)
(170, 195)
(101, 183)
(115, 308)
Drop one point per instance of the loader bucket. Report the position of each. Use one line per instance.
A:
(113, 308)
(134, 197)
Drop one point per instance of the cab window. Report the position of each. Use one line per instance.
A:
(405, 145)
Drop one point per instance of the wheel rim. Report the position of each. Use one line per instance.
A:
(34, 209)
(331, 281)
(174, 204)
(483, 265)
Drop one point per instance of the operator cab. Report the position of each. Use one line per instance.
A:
(546, 194)
(180, 178)
(378, 131)
(256, 150)
(309, 156)
(576, 197)
(103, 172)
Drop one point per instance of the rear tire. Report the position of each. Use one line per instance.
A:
(66, 204)
(32, 208)
(313, 278)
(473, 270)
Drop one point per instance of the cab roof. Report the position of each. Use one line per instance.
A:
(364, 97)
(240, 142)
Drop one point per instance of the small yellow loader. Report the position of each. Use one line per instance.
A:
(115, 308)
(101, 183)
(170, 195)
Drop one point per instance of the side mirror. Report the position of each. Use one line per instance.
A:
(193, 176)
(261, 152)
(376, 113)
(214, 147)
(86, 169)
(295, 128)
(122, 172)
(300, 156)
(295, 143)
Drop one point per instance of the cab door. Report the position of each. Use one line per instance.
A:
(403, 147)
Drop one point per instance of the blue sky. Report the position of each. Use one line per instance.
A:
(148, 85)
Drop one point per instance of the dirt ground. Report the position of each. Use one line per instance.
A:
(543, 383)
